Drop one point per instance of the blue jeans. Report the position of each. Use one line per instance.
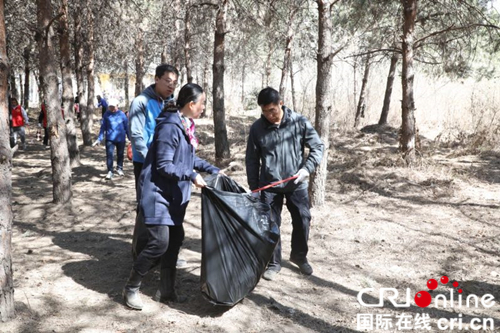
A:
(110, 148)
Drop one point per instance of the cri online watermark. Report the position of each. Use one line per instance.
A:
(423, 299)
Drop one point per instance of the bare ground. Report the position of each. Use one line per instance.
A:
(383, 226)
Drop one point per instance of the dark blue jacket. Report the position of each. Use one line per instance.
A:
(167, 174)
(115, 126)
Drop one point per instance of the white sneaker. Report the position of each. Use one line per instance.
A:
(120, 172)
(109, 175)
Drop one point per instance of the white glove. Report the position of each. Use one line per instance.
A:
(302, 175)
(39, 125)
(255, 194)
(96, 143)
(199, 181)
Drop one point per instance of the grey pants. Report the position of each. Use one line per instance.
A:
(21, 132)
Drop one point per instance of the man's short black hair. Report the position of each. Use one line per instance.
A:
(267, 96)
(165, 68)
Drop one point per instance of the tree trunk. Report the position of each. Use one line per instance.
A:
(126, 83)
(67, 86)
(61, 170)
(388, 90)
(177, 51)
(267, 68)
(139, 63)
(408, 127)
(26, 56)
(163, 57)
(85, 111)
(7, 310)
(205, 88)
(221, 142)
(187, 42)
(21, 92)
(14, 93)
(360, 110)
(292, 83)
(90, 73)
(287, 57)
(243, 84)
(323, 98)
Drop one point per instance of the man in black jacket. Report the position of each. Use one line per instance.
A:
(276, 151)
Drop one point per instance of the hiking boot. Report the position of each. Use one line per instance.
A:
(304, 266)
(120, 172)
(166, 292)
(131, 291)
(270, 274)
(109, 176)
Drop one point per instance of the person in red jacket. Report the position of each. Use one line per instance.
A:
(19, 121)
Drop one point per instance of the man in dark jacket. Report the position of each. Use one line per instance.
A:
(276, 151)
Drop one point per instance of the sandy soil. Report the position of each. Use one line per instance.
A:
(383, 226)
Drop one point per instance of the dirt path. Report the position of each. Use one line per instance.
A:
(383, 226)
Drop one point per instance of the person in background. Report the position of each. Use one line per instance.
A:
(103, 104)
(42, 122)
(143, 112)
(165, 190)
(276, 151)
(19, 121)
(115, 127)
(76, 106)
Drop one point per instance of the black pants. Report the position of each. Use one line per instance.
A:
(164, 243)
(45, 136)
(297, 203)
(137, 173)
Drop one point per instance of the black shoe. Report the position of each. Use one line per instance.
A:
(304, 266)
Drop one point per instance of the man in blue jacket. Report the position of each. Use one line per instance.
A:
(103, 104)
(115, 127)
(276, 151)
(143, 112)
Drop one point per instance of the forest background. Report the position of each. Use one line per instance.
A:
(419, 69)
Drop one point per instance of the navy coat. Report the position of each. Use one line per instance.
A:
(167, 173)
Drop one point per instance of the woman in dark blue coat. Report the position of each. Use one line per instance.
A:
(165, 191)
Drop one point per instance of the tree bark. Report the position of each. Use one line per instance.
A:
(21, 93)
(7, 310)
(61, 170)
(360, 110)
(243, 73)
(205, 88)
(221, 142)
(90, 73)
(67, 86)
(139, 62)
(187, 42)
(292, 84)
(13, 86)
(288, 55)
(408, 127)
(27, 70)
(323, 98)
(125, 84)
(388, 90)
(86, 121)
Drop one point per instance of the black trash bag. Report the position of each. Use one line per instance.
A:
(238, 240)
